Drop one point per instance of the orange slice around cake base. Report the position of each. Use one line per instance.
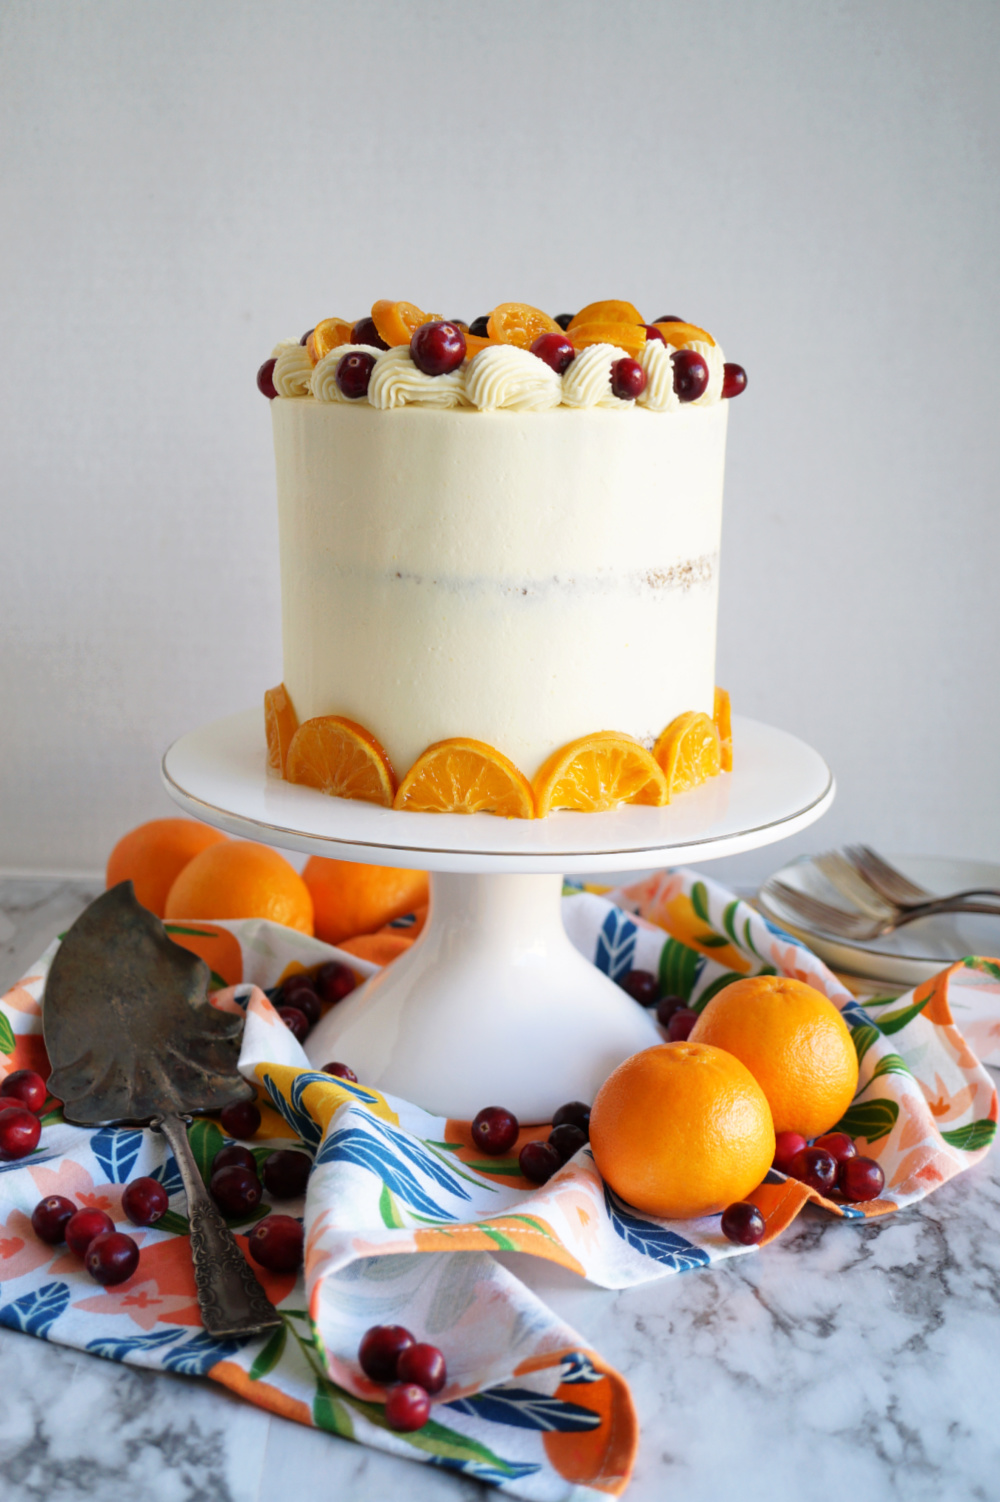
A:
(689, 751)
(722, 715)
(462, 776)
(341, 758)
(281, 723)
(597, 772)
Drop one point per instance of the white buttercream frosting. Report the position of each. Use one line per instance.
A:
(505, 376)
(587, 381)
(659, 395)
(396, 382)
(292, 370)
(324, 377)
(715, 360)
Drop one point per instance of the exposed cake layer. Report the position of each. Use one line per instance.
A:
(523, 578)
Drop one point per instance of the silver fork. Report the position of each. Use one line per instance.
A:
(851, 884)
(897, 889)
(842, 925)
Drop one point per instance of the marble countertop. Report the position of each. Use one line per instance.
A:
(847, 1360)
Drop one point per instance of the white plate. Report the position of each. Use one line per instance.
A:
(912, 953)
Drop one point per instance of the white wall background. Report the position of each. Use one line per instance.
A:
(182, 184)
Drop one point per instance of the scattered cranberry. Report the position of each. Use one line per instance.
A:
(628, 379)
(860, 1179)
(423, 1364)
(743, 1223)
(145, 1201)
(667, 1006)
(787, 1145)
(24, 1088)
(334, 981)
(407, 1407)
(642, 986)
(479, 327)
(562, 319)
(690, 375)
(305, 337)
(354, 372)
(296, 1022)
(285, 1173)
(300, 992)
(567, 1140)
(341, 1071)
(538, 1161)
(837, 1143)
(111, 1258)
(437, 348)
(669, 318)
(235, 1190)
(555, 350)
(20, 1130)
(652, 332)
(380, 1350)
(265, 380)
(234, 1156)
(680, 1025)
(241, 1119)
(83, 1226)
(734, 379)
(50, 1218)
(816, 1167)
(276, 1243)
(494, 1130)
(365, 332)
(574, 1113)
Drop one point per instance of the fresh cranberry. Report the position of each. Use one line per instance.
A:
(668, 318)
(816, 1167)
(234, 1156)
(235, 1190)
(82, 1227)
(690, 375)
(652, 332)
(334, 981)
(20, 1130)
(538, 1161)
(839, 1144)
(667, 1006)
(276, 1243)
(860, 1179)
(743, 1223)
(628, 379)
(479, 327)
(285, 1173)
(241, 1119)
(786, 1147)
(564, 320)
(111, 1258)
(407, 1407)
(265, 380)
(573, 1113)
(380, 1350)
(341, 1071)
(296, 1022)
(365, 332)
(24, 1088)
(494, 1130)
(299, 991)
(305, 337)
(437, 348)
(567, 1140)
(555, 350)
(423, 1364)
(50, 1218)
(734, 379)
(680, 1025)
(354, 372)
(145, 1201)
(642, 986)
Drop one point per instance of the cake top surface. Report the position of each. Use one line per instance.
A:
(516, 358)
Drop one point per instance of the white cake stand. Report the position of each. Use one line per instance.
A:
(493, 1005)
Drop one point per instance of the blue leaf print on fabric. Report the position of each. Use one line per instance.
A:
(645, 1236)
(121, 1347)
(578, 1367)
(855, 1015)
(521, 1408)
(402, 1142)
(480, 1470)
(616, 944)
(169, 1175)
(352, 1144)
(34, 1162)
(300, 1122)
(38, 1311)
(199, 1355)
(116, 1149)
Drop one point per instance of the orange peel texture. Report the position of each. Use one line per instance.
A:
(627, 336)
(689, 751)
(679, 334)
(342, 759)
(722, 715)
(609, 311)
(329, 333)
(519, 323)
(599, 772)
(398, 321)
(462, 776)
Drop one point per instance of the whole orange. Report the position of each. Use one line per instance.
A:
(795, 1044)
(681, 1130)
(351, 899)
(153, 855)
(241, 880)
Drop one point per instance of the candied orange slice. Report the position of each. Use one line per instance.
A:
(679, 334)
(398, 321)
(519, 323)
(607, 312)
(475, 342)
(689, 751)
(461, 776)
(281, 723)
(341, 758)
(598, 772)
(627, 336)
(328, 334)
(722, 715)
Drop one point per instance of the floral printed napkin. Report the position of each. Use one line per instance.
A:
(402, 1213)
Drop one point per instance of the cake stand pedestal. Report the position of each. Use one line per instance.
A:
(493, 1005)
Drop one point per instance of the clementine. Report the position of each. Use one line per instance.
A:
(241, 879)
(681, 1130)
(795, 1044)
(153, 855)
(351, 899)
